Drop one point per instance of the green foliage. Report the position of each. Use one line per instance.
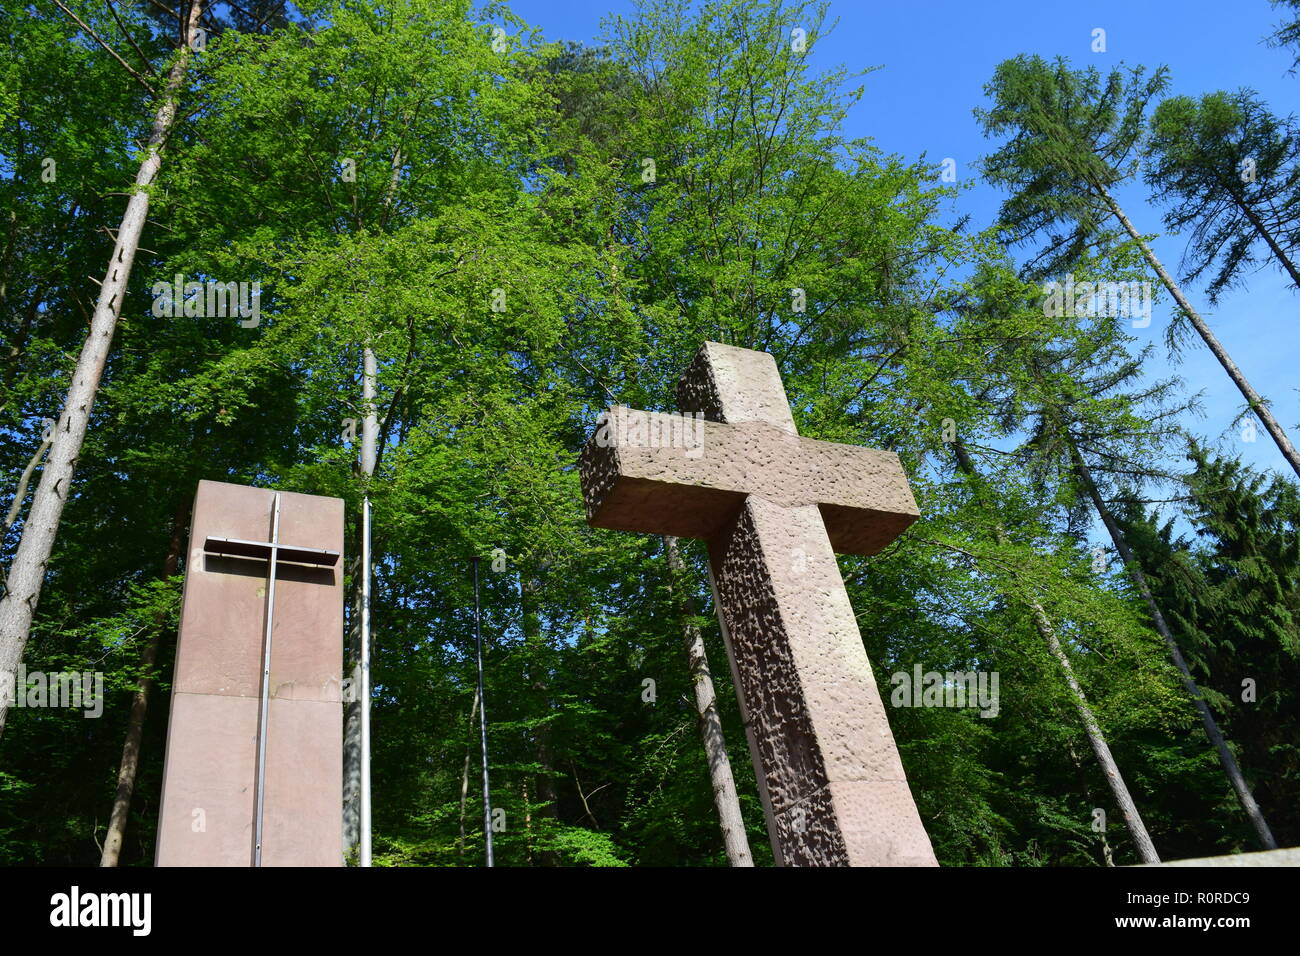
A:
(1287, 32)
(1230, 171)
(1232, 594)
(1072, 137)
(485, 221)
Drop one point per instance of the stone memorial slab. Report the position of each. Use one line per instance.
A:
(255, 742)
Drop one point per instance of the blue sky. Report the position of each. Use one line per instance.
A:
(935, 58)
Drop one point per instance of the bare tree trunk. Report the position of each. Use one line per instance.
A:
(356, 785)
(528, 821)
(27, 573)
(1134, 569)
(1096, 739)
(21, 492)
(1256, 402)
(1264, 233)
(546, 791)
(1107, 857)
(725, 797)
(1118, 788)
(464, 778)
(352, 721)
(130, 763)
(356, 717)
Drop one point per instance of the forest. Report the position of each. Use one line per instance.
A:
(439, 231)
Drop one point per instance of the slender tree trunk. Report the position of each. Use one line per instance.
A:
(21, 491)
(1096, 739)
(352, 720)
(1256, 402)
(546, 791)
(464, 778)
(1134, 569)
(1264, 233)
(725, 797)
(27, 573)
(1127, 808)
(528, 821)
(130, 763)
(353, 769)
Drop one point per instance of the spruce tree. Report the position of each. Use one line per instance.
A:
(1072, 139)
(1233, 593)
(1230, 172)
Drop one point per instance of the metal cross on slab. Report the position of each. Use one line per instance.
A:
(774, 508)
(273, 552)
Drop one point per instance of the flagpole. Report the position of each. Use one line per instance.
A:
(482, 719)
(369, 441)
(264, 708)
(364, 852)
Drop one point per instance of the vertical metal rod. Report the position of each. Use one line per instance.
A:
(369, 445)
(364, 855)
(264, 709)
(482, 720)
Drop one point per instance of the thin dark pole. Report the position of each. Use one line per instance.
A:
(482, 719)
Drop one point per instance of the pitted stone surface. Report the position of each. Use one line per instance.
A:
(732, 386)
(774, 507)
(766, 669)
(817, 716)
(634, 483)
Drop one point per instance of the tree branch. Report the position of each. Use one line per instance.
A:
(21, 493)
(165, 9)
(129, 39)
(126, 66)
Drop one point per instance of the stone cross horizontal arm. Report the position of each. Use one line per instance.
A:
(693, 487)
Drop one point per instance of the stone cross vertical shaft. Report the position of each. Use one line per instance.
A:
(774, 508)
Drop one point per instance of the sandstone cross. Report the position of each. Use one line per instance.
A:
(773, 508)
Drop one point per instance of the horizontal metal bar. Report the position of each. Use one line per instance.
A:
(262, 549)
